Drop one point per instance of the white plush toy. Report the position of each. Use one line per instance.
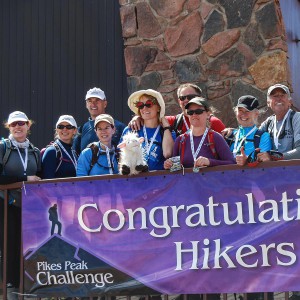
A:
(131, 157)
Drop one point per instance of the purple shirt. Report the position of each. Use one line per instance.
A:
(225, 156)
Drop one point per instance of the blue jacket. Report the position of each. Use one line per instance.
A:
(52, 161)
(265, 143)
(101, 167)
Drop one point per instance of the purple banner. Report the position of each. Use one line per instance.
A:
(213, 232)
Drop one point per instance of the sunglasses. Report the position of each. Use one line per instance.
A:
(19, 123)
(69, 127)
(148, 103)
(198, 111)
(189, 97)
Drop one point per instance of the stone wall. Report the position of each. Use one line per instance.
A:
(228, 47)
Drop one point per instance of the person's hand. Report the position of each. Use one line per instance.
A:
(33, 178)
(168, 164)
(263, 156)
(136, 123)
(164, 122)
(227, 132)
(242, 158)
(202, 161)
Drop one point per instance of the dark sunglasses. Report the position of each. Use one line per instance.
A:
(148, 103)
(198, 111)
(19, 123)
(69, 127)
(189, 97)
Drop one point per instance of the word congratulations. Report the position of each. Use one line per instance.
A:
(163, 219)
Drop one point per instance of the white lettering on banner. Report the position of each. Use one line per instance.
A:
(75, 266)
(163, 218)
(217, 258)
(99, 279)
(45, 266)
(160, 220)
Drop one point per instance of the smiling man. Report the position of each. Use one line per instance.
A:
(284, 125)
(96, 104)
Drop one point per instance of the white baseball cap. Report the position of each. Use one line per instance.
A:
(68, 119)
(95, 93)
(17, 116)
(279, 86)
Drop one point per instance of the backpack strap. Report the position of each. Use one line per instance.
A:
(270, 125)
(178, 123)
(95, 155)
(271, 121)
(7, 151)
(58, 155)
(257, 137)
(36, 153)
(230, 139)
(181, 146)
(211, 143)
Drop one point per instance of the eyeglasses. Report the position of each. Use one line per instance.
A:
(19, 123)
(69, 127)
(198, 111)
(148, 103)
(189, 97)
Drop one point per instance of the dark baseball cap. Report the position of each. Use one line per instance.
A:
(199, 101)
(248, 102)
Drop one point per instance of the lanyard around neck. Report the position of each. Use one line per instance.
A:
(277, 133)
(107, 151)
(73, 160)
(195, 154)
(25, 160)
(237, 146)
(147, 146)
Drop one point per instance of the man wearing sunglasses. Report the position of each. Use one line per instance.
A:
(180, 123)
(96, 104)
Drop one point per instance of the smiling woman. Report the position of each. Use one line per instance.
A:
(247, 140)
(59, 159)
(100, 158)
(200, 146)
(156, 131)
(19, 161)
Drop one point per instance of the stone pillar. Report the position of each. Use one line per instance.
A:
(228, 48)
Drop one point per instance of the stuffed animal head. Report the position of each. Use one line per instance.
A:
(131, 142)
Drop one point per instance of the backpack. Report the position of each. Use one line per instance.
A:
(178, 123)
(8, 148)
(95, 155)
(256, 139)
(270, 124)
(58, 154)
(211, 144)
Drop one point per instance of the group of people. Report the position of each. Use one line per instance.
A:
(195, 136)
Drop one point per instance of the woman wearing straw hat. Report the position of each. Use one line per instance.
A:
(156, 131)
